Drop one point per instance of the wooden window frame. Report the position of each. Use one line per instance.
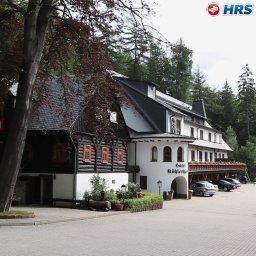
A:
(104, 155)
(63, 159)
(120, 156)
(87, 157)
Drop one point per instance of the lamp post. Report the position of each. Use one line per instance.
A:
(123, 189)
(159, 184)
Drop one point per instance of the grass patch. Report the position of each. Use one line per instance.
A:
(16, 215)
(147, 202)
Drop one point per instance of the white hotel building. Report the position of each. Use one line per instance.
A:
(171, 141)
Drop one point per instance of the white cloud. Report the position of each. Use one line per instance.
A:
(222, 45)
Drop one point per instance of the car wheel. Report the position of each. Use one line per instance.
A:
(201, 193)
(211, 195)
(225, 189)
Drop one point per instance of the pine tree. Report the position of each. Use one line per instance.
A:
(198, 85)
(229, 107)
(181, 74)
(246, 103)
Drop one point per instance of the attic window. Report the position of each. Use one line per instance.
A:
(113, 117)
(87, 154)
(59, 153)
(104, 155)
(120, 156)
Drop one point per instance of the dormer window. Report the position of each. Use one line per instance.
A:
(192, 132)
(201, 134)
(178, 126)
(209, 136)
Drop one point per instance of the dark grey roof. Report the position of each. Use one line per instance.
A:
(61, 103)
(198, 107)
(142, 86)
(151, 109)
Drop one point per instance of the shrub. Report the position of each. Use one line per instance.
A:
(99, 185)
(148, 201)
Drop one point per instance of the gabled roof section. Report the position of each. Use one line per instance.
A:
(61, 105)
(152, 111)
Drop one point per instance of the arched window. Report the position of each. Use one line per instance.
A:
(154, 154)
(167, 154)
(180, 154)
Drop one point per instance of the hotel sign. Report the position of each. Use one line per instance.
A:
(179, 169)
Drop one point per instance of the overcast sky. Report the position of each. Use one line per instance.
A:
(221, 45)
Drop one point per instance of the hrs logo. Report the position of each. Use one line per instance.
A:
(230, 9)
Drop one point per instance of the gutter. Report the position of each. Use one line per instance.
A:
(75, 166)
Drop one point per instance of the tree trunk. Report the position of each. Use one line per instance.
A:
(35, 27)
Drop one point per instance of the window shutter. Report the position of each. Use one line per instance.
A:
(104, 155)
(120, 156)
(87, 154)
(59, 153)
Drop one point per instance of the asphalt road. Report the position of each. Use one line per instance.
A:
(222, 225)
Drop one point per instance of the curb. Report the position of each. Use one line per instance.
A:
(40, 223)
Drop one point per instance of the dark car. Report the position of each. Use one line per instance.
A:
(243, 179)
(234, 182)
(225, 185)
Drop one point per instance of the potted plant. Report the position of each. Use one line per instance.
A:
(119, 206)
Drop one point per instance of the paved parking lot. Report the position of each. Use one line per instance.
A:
(222, 225)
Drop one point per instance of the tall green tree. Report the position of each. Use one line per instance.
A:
(247, 154)
(198, 86)
(181, 71)
(246, 103)
(232, 141)
(229, 107)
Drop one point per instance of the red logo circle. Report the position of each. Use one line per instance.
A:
(213, 9)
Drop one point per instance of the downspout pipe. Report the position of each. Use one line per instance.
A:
(75, 166)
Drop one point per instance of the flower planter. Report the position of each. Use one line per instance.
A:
(119, 207)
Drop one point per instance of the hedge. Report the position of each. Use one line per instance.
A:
(147, 202)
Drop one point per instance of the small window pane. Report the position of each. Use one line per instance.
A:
(154, 154)
(167, 154)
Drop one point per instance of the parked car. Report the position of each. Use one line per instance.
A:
(234, 182)
(225, 185)
(215, 187)
(243, 179)
(203, 188)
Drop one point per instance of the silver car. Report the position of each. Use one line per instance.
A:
(203, 188)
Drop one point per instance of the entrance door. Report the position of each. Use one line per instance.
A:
(33, 192)
(174, 188)
(47, 190)
(143, 182)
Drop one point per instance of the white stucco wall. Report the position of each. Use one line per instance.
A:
(63, 186)
(114, 181)
(156, 171)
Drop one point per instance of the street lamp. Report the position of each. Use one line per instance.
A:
(123, 189)
(159, 184)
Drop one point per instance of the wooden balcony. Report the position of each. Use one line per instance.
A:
(205, 167)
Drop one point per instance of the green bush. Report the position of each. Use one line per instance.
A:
(148, 201)
(98, 185)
